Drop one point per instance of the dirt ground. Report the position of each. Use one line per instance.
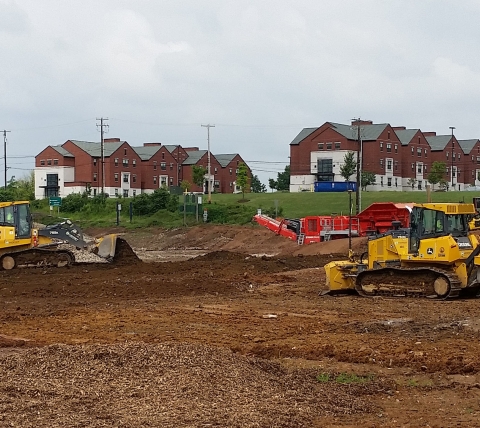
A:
(228, 339)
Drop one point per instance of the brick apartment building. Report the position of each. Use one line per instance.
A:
(76, 166)
(400, 158)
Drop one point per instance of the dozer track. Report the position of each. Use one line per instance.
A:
(37, 257)
(411, 282)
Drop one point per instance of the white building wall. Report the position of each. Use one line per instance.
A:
(66, 174)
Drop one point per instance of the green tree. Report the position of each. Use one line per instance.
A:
(367, 179)
(272, 184)
(199, 175)
(282, 182)
(437, 173)
(349, 166)
(242, 178)
(185, 185)
(256, 186)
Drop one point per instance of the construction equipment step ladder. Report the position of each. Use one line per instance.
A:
(301, 239)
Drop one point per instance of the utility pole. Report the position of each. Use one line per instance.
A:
(5, 153)
(208, 168)
(102, 148)
(358, 196)
(451, 172)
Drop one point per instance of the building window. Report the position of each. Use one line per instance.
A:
(419, 152)
(381, 181)
(163, 166)
(42, 162)
(329, 146)
(171, 167)
(134, 178)
(389, 148)
(458, 156)
(396, 182)
(125, 162)
(419, 184)
(116, 177)
(125, 178)
(396, 165)
(231, 184)
(154, 179)
(320, 146)
(216, 170)
(94, 161)
(134, 163)
(337, 146)
(125, 152)
(447, 155)
(413, 151)
(419, 168)
(381, 146)
(154, 165)
(116, 193)
(171, 181)
(94, 176)
(125, 193)
(396, 148)
(381, 163)
(163, 181)
(163, 155)
(389, 181)
(424, 167)
(55, 161)
(413, 167)
(116, 161)
(389, 164)
(425, 152)
(216, 184)
(230, 171)
(49, 161)
(134, 192)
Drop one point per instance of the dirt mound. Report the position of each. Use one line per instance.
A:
(167, 384)
(337, 246)
(124, 253)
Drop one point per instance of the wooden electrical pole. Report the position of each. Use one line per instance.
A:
(102, 149)
(5, 153)
(208, 168)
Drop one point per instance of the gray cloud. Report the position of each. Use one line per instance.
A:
(260, 71)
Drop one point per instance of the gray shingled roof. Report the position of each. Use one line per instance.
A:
(405, 135)
(171, 147)
(304, 133)
(225, 159)
(95, 149)
(146, 152)
(368, 132)
(194, 156)
(438, 142)
(62, 151)
(467, 145)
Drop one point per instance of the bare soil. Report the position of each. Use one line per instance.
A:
(228, 339)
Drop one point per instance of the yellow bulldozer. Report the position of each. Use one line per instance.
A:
(435, 257)
(23, 245)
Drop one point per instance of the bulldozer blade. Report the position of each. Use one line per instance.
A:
(106, 246)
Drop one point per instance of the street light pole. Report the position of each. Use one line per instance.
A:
(451, 172)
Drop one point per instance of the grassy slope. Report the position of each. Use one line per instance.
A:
(305, 203)
(293, 205)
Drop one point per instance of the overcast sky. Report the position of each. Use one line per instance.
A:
(260, 70)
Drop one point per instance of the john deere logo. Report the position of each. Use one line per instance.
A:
(429, 250)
